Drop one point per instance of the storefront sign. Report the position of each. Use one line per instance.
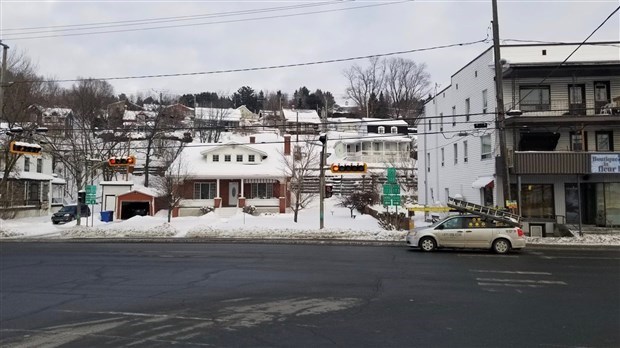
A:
(608, 163)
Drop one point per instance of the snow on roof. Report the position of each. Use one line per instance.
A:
(271, 145)
(115, 183)
(229, 114)
(56, 111)
(304, 116)
(537, 54)
(32, 176)
(384, 121)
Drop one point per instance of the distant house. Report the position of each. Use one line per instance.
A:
(301, 121)
(33, 189)
(227, 119)
(236, 174)
(59, 121)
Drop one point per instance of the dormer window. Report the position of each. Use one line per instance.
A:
(239, 158)
(226, 158)
(381, 130)
(394, 130)
(251, 158)
(216, 158)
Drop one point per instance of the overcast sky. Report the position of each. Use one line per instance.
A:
(246, 41)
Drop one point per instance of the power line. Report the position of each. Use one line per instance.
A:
(134, 22)
(570, 55)
(271, 67)
(210, 23)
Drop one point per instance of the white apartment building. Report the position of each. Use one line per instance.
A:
(561, 148)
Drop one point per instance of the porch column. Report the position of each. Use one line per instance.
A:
(217, 188)
(242, 190)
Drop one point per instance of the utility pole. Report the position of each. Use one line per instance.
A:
(501, 123)
(323, 139)
(5, 49)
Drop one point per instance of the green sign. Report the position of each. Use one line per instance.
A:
(391, 199)
(391, 189)
(91, 194)
(391, 174)
(91, 189)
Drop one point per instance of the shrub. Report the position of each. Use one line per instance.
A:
(206, 210)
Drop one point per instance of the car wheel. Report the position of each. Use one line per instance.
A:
(427, 244)
(501, 246)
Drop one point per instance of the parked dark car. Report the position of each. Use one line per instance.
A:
(68, 212)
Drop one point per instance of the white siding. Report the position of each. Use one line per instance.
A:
(457, 178)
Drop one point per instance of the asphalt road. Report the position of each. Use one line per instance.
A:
(233, 295)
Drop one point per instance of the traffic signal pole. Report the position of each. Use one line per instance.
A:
(323, 140)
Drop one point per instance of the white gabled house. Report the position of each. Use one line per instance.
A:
(562, 143)
(247, 171)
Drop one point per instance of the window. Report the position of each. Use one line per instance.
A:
(428, 161)
(394, 130)
(260, 190)
(377, 147)
(239, 158)
(465, 150)
(453, 116)
(251, 158)
(456, 153)
(467, 109)
(430, 124)
(604, 141)
(443, 158)
(381, 130)
(537, 200)
(535, 98)
(39, 165)
(216, 158)
(441, 121)
(457, 222)
(26, 164)
(485, 102)
(33, 192)
(485, 146)
(226, 158)
(204, 190)
(578, 141)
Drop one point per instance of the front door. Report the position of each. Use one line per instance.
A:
(602, 96)
(233, 193)
(450, 232)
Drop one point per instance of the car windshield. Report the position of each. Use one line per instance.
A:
(67, 209)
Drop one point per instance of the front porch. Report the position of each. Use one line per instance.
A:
(266, 194)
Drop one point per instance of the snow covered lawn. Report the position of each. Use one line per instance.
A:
(338, 225)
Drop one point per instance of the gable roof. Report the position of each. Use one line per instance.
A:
(232, 144)
(301, 115)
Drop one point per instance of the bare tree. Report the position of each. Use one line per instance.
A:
(303, 163)
(170, 184)
(406, 84)
(209, 123)
(364, 82)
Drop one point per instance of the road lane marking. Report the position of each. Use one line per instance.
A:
(480, 255)
(580, 258)
(528, 281)
(133, 314)
(508, 272)
(512, 285)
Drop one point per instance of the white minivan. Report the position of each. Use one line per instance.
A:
(467, 231)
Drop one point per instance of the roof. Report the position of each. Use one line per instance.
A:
(385, 122)
(301, 116)
(270, 145)
(32, 176)
(116, 183)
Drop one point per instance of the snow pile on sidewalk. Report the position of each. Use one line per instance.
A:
(339, 225)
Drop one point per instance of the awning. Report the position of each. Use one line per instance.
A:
(482, 181)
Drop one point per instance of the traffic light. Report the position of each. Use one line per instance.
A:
(81, 197)
(22, 148)
(349, 168)
(124, 161)
(329, 191)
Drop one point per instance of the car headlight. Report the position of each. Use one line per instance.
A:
(67, 215)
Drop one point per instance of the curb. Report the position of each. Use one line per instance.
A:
(347, 242)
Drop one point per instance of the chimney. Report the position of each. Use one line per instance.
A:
(287, 144)
(252, 140)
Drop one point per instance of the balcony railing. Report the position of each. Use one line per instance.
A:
(564, 108)
(553, 162)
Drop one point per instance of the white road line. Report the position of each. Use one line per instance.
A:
(508, 272)
(512, 285)
(148, 315)
(580, 258)
(491, 255)
(527, 281)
